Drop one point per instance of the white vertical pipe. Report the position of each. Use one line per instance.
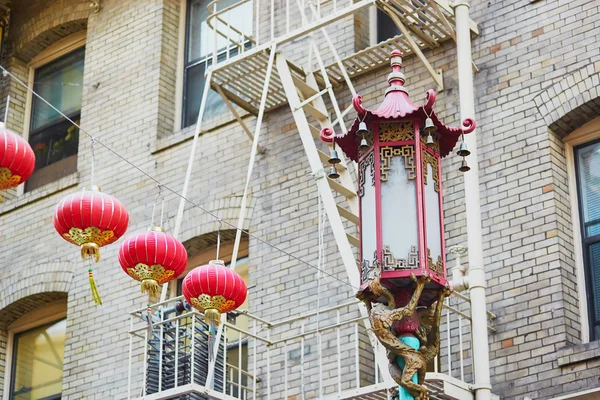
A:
(272, 19)
(285, 373)
(177, 352)
(479, 334)
(268, 366)
(193, 349)
(254, 356)
(302, 361)
(460, 349)
(240, 364)
(130, 355)
(448, 340)
(224, 358)
(356, 357)
(372, 25)
(339, 353)
(320, 365)
(160, 351)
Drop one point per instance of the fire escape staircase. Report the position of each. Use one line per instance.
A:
(262, 79)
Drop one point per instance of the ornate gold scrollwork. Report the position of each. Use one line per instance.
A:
(437, 267)
(368, 161)
(433, 161)
(396, 131)
(391, 263)
(387, 153)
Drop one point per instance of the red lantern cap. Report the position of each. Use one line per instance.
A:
(17, 160)
(153, 258)
(91, 219)
(214, 287)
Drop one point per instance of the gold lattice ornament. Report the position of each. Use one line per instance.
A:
(89, 235)
(7, 179)
(156, 272)
(206, 302)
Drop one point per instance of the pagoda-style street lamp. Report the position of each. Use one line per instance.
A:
(398, 148)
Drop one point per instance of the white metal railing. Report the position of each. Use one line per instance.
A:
(231, 28)
(320, 353)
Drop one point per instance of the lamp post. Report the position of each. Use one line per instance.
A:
(398, 148)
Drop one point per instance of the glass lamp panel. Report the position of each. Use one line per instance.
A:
(399, 201)
(368, 209)
(432, 211)
(38, 367)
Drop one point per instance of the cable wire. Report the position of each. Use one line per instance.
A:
(212, 214)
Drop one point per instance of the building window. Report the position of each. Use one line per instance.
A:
(199, 52)
(386, 28)
(37, 362)
(587, 166)
(55, 140)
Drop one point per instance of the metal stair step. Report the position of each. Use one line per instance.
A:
(350, 216)
(316, 132)
(341, 189)
(304, 89)
(353, 240)
(320, 116)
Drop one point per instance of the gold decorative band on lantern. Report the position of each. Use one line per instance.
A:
(7, 179)
(205, 302)
(89, 235)
(154, 272)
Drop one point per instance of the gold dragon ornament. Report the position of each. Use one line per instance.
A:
(382, 318)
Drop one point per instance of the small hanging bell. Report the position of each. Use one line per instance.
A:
(364, 145)
(333, 174)
(362, 129)
(333, 157)
(429, 126)
(429, 140)
(463, 166)
(463, 150)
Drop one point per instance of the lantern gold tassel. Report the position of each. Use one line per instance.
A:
(90, 250)
(151, 287)
(213, 318)
(94, 288)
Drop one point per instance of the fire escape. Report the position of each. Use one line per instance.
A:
(168, 344)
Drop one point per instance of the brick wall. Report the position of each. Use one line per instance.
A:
(524, 52)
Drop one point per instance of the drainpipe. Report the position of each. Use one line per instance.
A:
(479, 334)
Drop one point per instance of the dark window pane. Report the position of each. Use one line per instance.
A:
(60, 83)
(38, 362)
(55, 142)
(594, 268)
(588, 163)
(385, 27)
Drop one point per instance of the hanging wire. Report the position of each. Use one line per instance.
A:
(6, 109)
(159, 195)
(93, 141)
(220, 221)
(196, 205)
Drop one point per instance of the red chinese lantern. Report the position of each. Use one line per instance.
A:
(17, 159)
(153, 258)
(91, 219)
(214, 289)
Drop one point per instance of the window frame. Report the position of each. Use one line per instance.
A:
(52, 312)
(184, 65)
(587, 134)
(53, 52)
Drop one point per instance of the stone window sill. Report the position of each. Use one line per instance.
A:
(578, 353)
(44, 191)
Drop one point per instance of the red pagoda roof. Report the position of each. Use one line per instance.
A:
(397, 105)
